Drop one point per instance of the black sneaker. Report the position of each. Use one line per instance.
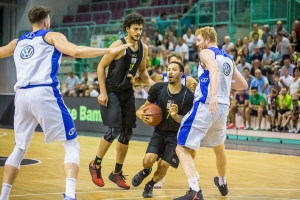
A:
(279, 129)
(139, 177)
(191, 195)
(223, 188)
(148, 190)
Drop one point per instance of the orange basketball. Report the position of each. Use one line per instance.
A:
(156, 114)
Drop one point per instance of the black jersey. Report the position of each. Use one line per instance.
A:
(160, 94)
(117, 80)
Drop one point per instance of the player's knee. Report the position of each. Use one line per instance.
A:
(180, 150)
(72, 148)
(112, 134)
(149, 161)
(16, 157)
(125, 136)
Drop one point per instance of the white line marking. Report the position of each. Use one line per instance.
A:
(2, 134)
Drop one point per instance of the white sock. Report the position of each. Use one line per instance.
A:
(222, 180)
(5, 191)
(70, 187)
(193, 183)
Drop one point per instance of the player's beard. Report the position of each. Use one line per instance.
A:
(135, 39)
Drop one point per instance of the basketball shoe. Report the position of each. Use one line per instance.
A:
(68, 198)
(119, 179)
(148, 191)
(139, 177)
(191, 195)
(223, 188)
(96, 174)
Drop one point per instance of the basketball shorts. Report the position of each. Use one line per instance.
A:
(120, 110)
(200, 126)
(164, 144)
(41, 105)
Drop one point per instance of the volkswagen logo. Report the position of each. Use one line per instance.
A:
(72, 131)
(226, 69)
(27, 52)
(203, 79)
(30, 35)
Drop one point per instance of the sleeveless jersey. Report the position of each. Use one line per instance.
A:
(37, 62)
(183, 79)
(225, 65)
(116, 79)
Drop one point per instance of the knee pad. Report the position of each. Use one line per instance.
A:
(16, 157)
(72, 148)
(112, 134)
(125, 135)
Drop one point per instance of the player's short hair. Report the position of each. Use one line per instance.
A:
(207, 32)
(38, 13)
(181, 67)
(134, 18)
(175, 54)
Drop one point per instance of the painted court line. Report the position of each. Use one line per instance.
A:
(2, 134)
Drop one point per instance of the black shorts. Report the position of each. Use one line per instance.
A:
(255, 113)
(164, 144)
(120, 110)
(282, 111)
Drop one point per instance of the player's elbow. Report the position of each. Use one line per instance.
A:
(77, 53)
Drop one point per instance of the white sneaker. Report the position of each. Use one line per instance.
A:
(158, 185)
(257, 128)
(293, 130)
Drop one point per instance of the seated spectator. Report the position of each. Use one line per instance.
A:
(139, 92)
(172, 38)
(271, 110)
(290, 67)
(295, 41)
(157, 38)
(245, 44)
(256, 65)
(145, 39)
(295, 84)
(240, 104)
(271, 44)
(189, 38)
(256, 42)
(260, 82)
(279, 28)
(256, 107)
(247, 54)
(72, 82)
(284, 104)
(292, 115)
(296, 26)
(256, 55)
(164, 60)
(154, 63)
(194, 72)
(163, 23)
(85, 82)
(284, 47)
(239, 44)
(266, 33)
(240, 67)
(166, 45)
(227, 44)
(249, 78)
(255, 30)
(267, 61)
(234, 56)
(285, 80)
(182, 48)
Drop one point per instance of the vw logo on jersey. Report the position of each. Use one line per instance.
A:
(226, 69)
(30, 35)
(27, 52)
(204, 80)
(72, 131)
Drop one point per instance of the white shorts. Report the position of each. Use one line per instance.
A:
(198, 125)
(41, 105)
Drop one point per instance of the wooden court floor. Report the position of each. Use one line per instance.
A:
(250, 175)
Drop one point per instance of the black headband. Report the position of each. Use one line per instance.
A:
(179, 64)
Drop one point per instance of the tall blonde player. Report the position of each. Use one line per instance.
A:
(206, 121)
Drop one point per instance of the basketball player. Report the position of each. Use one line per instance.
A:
(37, 58)
(117, 98)
(206, 121)
(175, 100)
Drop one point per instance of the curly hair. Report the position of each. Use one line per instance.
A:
(176, 55)
(207, 32)
(133, 19)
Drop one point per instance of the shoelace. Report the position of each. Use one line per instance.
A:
(122, 176)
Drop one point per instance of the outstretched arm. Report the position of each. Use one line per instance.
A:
(64, 46)
(9, 49)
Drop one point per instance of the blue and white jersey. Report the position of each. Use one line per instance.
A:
(225, 65)
(183, 79)
(37, 62)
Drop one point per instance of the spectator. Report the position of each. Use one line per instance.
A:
(195, 69)
(296, 26)
(233, 54)
(270, 43)
(139, 92)
(245, 45)
(85, 82)
(256, 55)
(154, 63)
(298, 62)
(72, 82)
(249, 78)
(292, 115)
(255, 66)
(295, 41)
(172, 38)
(166, 45)
(286, 79)
(239, 44)
(185, 22)
(164, 60)
(242, 65)
(284, 47)
(157, 38)
(189, 38)
(284, 104)
(271, 110)
(256, 42)
(257, 105)
(227, 44)
(268, 56)
(279, 28)
(289, 66)
(240, 104)
(266, 33)
(187, 69)
(247, 54)
(260, 82)
(182, 48)
(145, 39)
(163, 23)
(256, 30)
(295, 84)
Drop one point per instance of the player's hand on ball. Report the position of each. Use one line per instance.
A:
(173, 109)
(145, 116)
(132, 78)
(213, 105)
(103, 99)
(119, 48)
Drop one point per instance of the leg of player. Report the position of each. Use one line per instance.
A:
(221, 161)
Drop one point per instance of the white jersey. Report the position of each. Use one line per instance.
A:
(183, 79)
(225, 65)
(37, 62)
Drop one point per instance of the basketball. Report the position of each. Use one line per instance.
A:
(156, 114)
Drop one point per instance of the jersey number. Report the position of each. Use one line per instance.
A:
(131, 66)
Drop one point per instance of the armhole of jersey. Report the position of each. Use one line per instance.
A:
(142, 48)
(124, 42)
(43, 36)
